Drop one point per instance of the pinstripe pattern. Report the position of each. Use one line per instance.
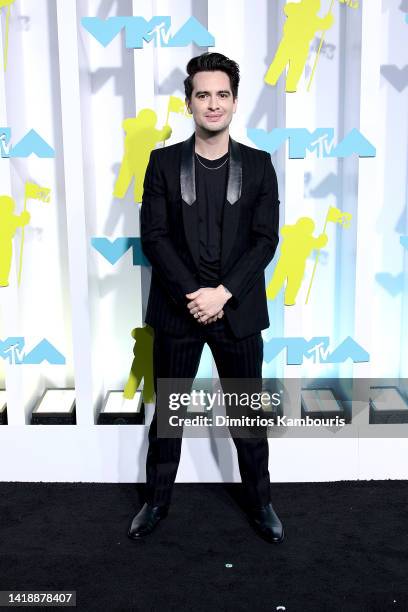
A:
(162, 313)
(179, 357)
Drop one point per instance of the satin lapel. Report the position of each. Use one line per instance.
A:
(188, 195)
(231, 207)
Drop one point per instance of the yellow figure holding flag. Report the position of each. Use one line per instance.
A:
(334, 215)
(141, 138)
(300, 28)
(176, 105)
(32, 192)
(9, 222)
(142, 366)
(298, 244)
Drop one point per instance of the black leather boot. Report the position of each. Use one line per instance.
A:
(267, 523)
(146, 520)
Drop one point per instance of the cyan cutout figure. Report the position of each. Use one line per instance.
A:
(9, 222)
(141, 138)
(142, 366)
(7, 5)
(298, 244)
(301, 26)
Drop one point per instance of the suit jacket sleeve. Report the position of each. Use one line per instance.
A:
(264, 238)
(175, 276)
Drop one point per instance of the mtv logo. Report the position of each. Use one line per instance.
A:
(13, 350)
(157, 29)
(31, 144)
(112, 251)
(316, 349)
(320, 141)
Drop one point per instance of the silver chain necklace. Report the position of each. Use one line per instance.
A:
(208, 167)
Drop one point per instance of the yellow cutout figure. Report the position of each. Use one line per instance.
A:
(141, 138)
(178, 106)
(300, 28)
(33, 192)
(334, 215)
(6, 4)
(298, 244)
(142, 366)
(9, 222)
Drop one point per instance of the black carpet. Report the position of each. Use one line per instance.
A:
(346, 547)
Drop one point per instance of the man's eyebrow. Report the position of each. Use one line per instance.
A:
(218, 92)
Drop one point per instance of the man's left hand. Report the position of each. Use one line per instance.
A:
(207, 302)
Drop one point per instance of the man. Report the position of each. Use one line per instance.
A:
(209, 226)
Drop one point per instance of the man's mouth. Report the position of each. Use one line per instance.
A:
(213, 117)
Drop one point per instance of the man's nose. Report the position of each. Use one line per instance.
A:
(213, 102)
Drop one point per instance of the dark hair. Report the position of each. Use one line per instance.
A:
(210, 62)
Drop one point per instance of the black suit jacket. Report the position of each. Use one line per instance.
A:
(170, 239)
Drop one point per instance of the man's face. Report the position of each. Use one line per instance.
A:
(211, 101)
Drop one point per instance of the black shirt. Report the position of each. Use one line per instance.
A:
(211, 191)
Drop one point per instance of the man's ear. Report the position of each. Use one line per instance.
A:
(188, 106)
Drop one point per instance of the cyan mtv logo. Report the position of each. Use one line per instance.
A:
(115, 249)
(321, 141)
(13, 350)
(31, 144)
(316, 348)
(157, 29)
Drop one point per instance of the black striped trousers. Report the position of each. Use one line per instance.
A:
(175, 357)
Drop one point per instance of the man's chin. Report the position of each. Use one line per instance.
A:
(214, 129)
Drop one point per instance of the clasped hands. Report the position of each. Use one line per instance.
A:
(206, 304)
